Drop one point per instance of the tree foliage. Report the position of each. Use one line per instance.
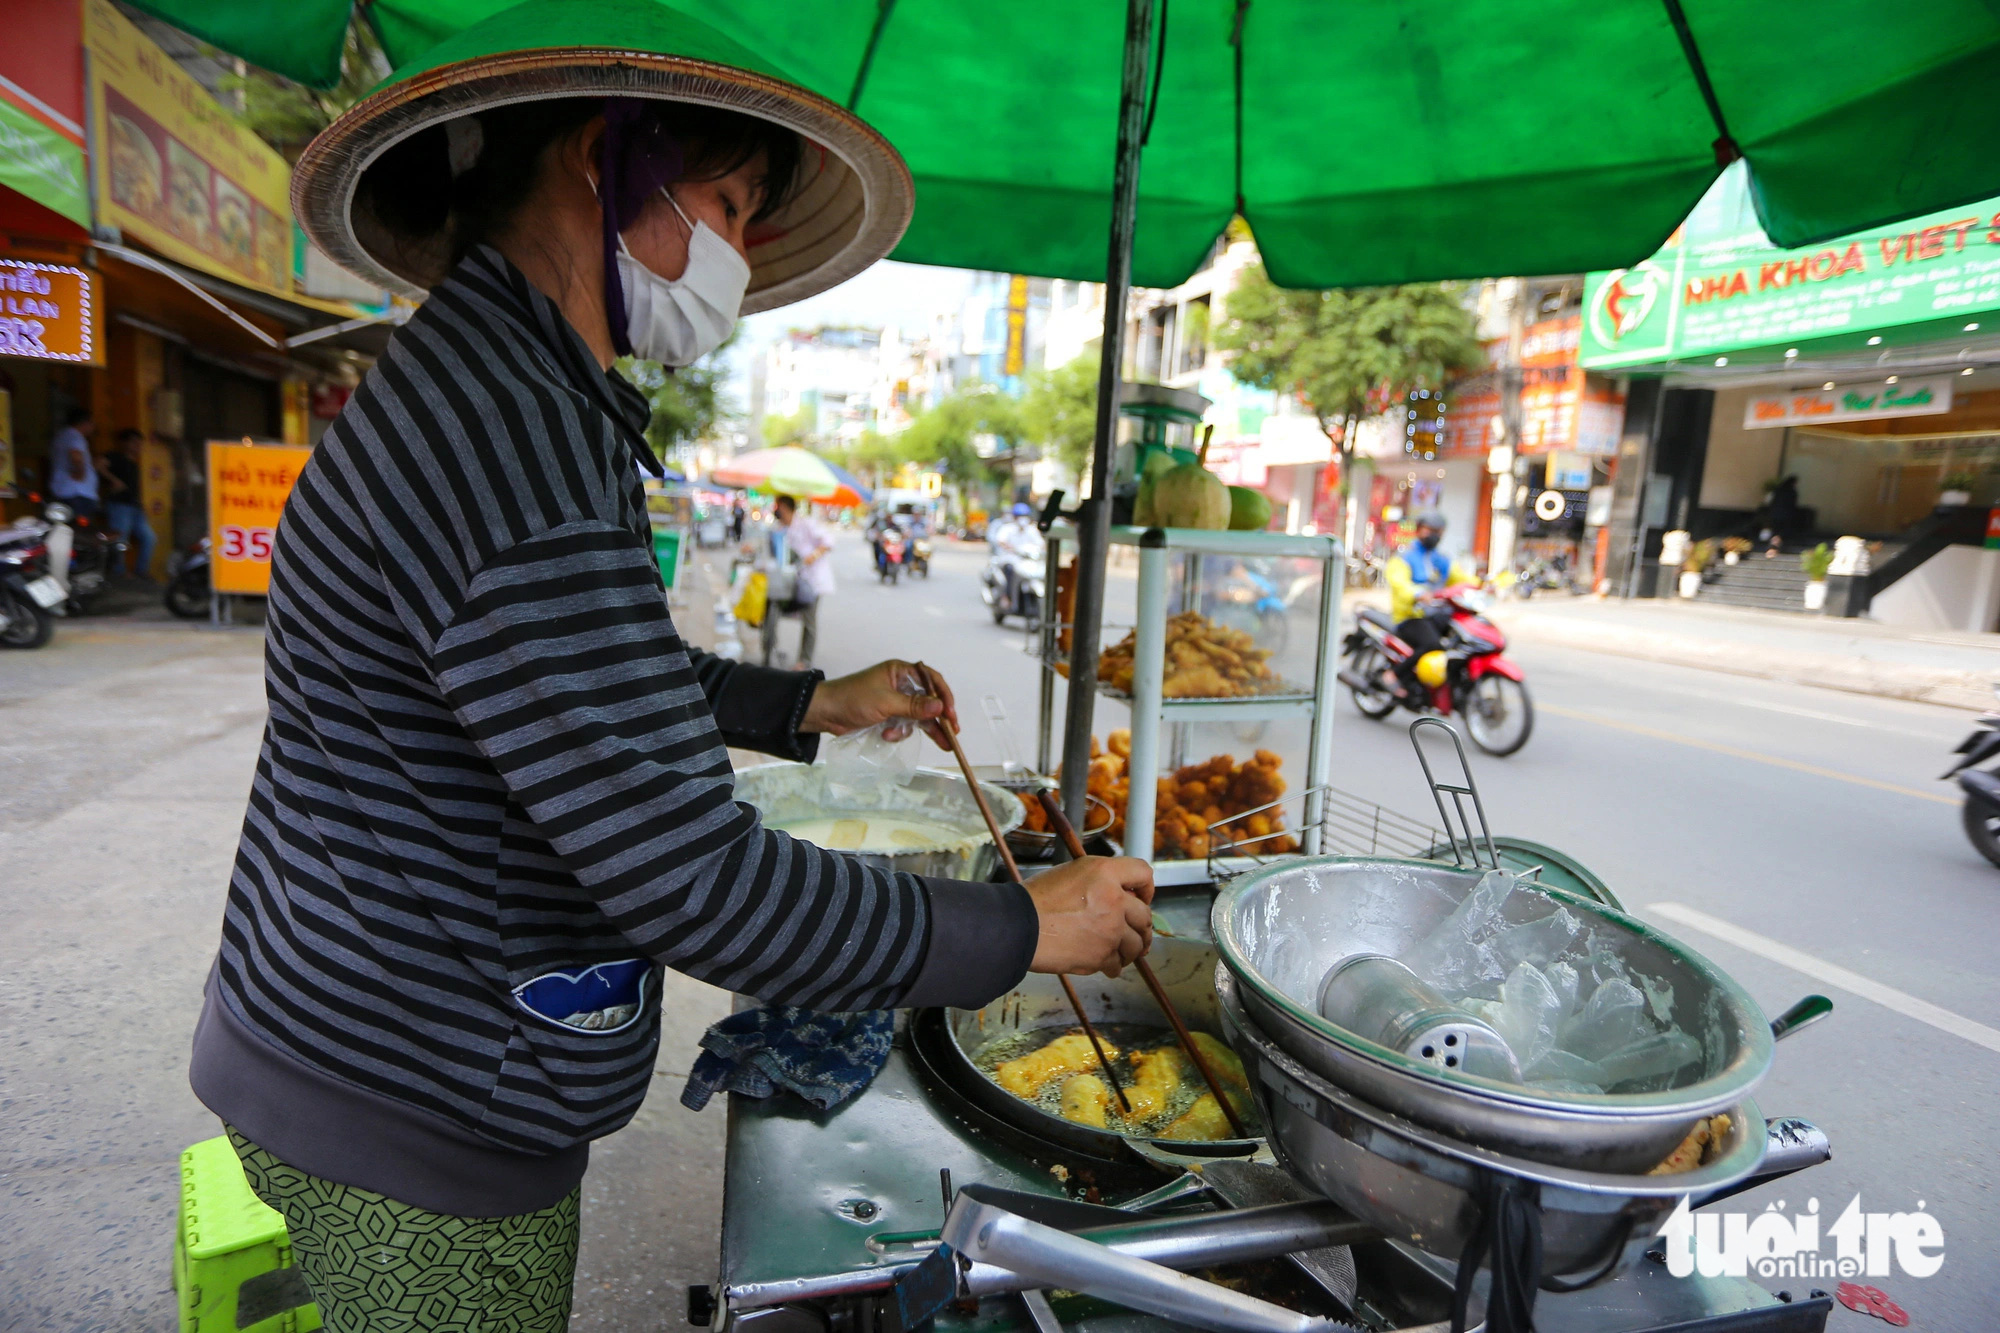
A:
(1344, 352)
(798, 428)
(945, 435)
(1059, 410)
(689, 404)
(287, 115)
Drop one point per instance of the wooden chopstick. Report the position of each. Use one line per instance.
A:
(1014, 873)
(1067, 832)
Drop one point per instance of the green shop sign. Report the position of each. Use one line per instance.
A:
(1718, 284)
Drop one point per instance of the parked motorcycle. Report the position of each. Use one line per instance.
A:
(92, 553)
(1981, 785)
(1029, 561)
(28, 596)
(188, 589)
(1539, 573)
(1475, 680)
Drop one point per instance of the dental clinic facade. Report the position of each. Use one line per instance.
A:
(1867, 368)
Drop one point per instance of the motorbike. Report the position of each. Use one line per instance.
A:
(1538, 573)
(1981, 785)
(1029, 561)
(91, 552)
(28, 595)
(188, 591)
(1481, 683)
(1246, 596)
(891, 550)
(920, 556)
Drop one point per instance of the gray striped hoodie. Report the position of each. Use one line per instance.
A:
(490, 762)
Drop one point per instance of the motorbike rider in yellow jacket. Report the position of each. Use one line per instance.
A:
(1417, 572)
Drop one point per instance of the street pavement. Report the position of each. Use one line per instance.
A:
(1794, 835)
(1809, 817)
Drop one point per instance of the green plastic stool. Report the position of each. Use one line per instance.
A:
(232, 1258)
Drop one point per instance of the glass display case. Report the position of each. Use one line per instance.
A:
(1222, 682)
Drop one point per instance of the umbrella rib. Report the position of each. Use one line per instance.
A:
(1236, 42)
(883, 8)
(1159, 75)
(1726, 150)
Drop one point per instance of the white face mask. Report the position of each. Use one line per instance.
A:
(678, 321)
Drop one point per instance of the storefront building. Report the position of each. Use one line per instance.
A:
(150, 271)
(1865, 371)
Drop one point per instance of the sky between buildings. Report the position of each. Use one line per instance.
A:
(903, 295)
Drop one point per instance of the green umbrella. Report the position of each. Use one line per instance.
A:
(1366, 141)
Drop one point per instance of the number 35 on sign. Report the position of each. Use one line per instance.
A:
(247, 488)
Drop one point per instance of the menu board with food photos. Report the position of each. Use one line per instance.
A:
(175, 170)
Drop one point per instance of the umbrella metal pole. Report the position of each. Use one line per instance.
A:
(1094, 524)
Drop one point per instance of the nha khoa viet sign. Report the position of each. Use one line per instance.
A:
(49, 312)
(1718, 284)
(1924, 397)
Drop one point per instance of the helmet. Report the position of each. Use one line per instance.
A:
(1431, 518)
(1021, 510)
(1430, 668)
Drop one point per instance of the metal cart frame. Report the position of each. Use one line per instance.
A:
(1156, 548)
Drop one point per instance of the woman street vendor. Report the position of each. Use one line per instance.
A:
(493, 800)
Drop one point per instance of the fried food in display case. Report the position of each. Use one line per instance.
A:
(1203, 661)
(1201, 808)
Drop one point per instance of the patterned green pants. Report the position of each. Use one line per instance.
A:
(378, 1266)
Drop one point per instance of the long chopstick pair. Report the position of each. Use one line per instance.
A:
(1014, 873)
(1067, 832)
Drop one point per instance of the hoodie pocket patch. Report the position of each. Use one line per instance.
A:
(603, 998)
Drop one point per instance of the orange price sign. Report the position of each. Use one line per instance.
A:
(49, 312)
(248, 485)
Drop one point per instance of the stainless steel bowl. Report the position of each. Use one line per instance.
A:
(784, 791)
(1418, 1185)
(1282, 928)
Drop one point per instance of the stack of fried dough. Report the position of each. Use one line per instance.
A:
(1204, 661)
(1202, 808)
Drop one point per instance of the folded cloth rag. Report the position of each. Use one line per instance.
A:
(824, 1058)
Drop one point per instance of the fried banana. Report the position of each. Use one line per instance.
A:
(1068, 1054)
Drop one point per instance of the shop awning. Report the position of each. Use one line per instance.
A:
(236, 305)
(42, 165)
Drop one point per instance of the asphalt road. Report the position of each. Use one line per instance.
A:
(1710, 803)
(1811, 818)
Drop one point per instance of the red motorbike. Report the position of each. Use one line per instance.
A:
(891, 552)
(1475, 679)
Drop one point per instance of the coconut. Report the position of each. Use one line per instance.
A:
(1190, 496)
(1158, 464)
(1249, 511)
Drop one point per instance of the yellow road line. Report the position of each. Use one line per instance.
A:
(1902, 1002)
(1737, 752)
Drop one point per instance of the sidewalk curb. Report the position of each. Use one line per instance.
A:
(1855, 675)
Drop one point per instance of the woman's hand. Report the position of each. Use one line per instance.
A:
(889, 691)
(1097, 915)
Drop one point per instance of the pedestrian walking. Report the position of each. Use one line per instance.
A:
(800, 551)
